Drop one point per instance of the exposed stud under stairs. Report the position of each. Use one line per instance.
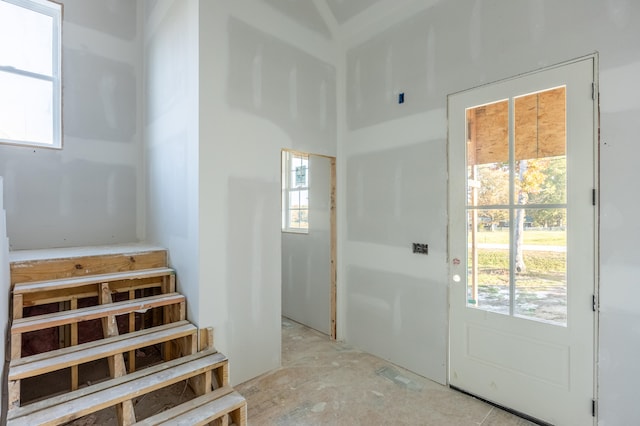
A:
(106, 304)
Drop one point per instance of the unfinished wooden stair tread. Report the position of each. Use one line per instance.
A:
(203, 410)
(40, 265)
(43, 363)
(73, 405)
(65, 279)
(68, 283)
(24, 325)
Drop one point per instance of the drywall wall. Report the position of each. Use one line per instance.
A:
(396, 300)
(171, 139)
(306, 258)
(122, 22)
(230, 84)
(269, 85)
(88, 192)
(619, 227)
(283, 84)
(395, 178)
(429, 51)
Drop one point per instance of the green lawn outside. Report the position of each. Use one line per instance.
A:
(538, 262)
(543, 238)
(542, 266)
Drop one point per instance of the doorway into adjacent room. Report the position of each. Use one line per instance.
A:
(309, 240)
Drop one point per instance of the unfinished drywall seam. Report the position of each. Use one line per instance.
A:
(141, 100)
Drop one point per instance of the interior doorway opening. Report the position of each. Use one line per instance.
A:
(309, 240)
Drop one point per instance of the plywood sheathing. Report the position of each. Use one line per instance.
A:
(539, 128)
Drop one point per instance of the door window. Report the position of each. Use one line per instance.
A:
(516, 206)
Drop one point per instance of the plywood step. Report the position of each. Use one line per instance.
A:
(182, 334)
(55, 319)
(174, 304)
(51, 264)
(74, 355)
(68, 289)
(71, 283)
(198, 367)
(203, 410)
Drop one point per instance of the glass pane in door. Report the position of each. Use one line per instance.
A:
(516, 206)
(539, 212)
(488, 277)
(541, 290)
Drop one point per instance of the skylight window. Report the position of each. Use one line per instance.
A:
(30, 73)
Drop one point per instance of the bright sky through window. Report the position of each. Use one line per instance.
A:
(30, 72)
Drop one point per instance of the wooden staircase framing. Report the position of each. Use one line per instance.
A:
(133, 295)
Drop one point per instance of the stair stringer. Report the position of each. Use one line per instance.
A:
(5, 290)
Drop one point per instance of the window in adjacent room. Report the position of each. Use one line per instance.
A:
(30, 73)
(295, 192)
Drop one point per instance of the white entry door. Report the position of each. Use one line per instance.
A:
(523, 242)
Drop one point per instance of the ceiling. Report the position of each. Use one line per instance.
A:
(304, 12)
(343, 10)
(321, 15)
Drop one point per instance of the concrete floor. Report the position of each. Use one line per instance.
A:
(322, 382)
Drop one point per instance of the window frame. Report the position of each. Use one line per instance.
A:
(289, 187)
(54, 10)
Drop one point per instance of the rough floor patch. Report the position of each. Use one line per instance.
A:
(296, 415)
(319, 407)
(310, 390)
(397, 378)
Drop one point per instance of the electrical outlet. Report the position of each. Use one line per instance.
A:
(420, 248)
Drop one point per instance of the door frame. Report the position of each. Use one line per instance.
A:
(333, 224)
(596, 200)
